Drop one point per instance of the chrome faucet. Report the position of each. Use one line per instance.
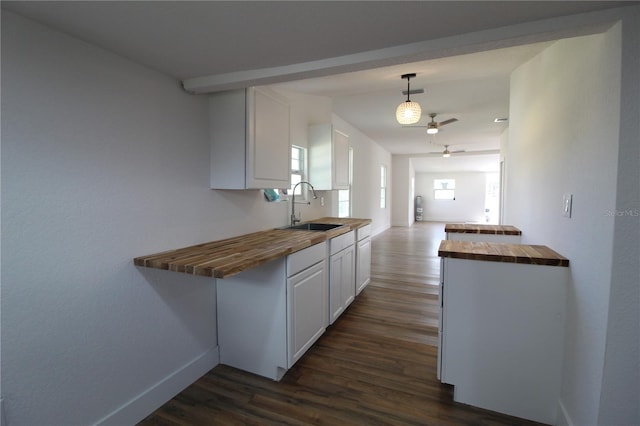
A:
(294, 219)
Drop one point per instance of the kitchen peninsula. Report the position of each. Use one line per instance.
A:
(225, 258)
(276, 290)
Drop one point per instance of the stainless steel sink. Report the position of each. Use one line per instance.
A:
(314, 226)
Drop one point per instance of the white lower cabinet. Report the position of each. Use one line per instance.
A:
(363, 258)
(268, 316)
(307, 307)
(484, 238)
(341, 274)
(483, 233)
(502, 335)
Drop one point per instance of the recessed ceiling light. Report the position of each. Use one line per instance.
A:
(501, 120)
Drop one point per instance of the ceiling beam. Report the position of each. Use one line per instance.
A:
(513, 35)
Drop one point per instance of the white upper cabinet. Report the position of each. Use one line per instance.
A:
(250, 139)
(328, 157)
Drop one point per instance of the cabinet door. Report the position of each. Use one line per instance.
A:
(268, 140)
(227, 133)
(348, 281)
(340, 160)
(336, 305)
(342, 288)
(328, 157)
(250, 139)
(363, 264)
(307, 309)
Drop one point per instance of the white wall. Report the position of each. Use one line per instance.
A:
(402, 213)
(307, 110)
(504, 187)
(104, 160)
(620, 394)
(563, 138)
(368, 156)
(470, 196)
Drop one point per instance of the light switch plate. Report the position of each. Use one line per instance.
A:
(567, 201)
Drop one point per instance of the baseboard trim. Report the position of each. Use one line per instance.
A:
(563, 416)
(148, 401)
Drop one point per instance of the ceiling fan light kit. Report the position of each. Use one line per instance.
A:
(408, 112)
(433, 127)
(446, 153)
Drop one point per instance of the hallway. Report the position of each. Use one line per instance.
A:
(376, 365)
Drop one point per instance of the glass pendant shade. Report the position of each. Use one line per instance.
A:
(408, 112)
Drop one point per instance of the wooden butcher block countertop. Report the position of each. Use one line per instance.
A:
(231, 256)
(501, 252)
(470, 228)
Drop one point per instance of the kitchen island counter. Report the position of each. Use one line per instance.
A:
(228, 257)
(471, 228)
(502, 321)
(501, 252)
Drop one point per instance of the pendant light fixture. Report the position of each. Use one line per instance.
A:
(408, 112)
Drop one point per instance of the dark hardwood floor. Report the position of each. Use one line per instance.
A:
(376, 365)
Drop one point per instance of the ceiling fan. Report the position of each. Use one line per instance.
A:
(446, 153)
(433, 126)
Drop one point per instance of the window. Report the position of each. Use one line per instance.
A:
(444, 189)
(297, 169)
(344, 195)
(383, 187)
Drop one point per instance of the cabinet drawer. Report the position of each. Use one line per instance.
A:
(363, 232)
(341, 242)
(302, 259)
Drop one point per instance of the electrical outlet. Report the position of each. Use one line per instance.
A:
(567, 201)
(321, 201)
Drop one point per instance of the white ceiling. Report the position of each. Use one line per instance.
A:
(473, 88)
(243, 43)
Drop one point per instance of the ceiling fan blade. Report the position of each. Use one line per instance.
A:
(412, 92)
(454, 152)
(451, 120)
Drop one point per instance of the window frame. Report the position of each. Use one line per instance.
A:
(444, 189)
(348, 191)
(300, 171)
